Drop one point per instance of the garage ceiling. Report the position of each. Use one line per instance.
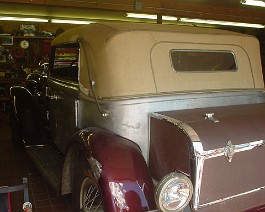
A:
(225, 10)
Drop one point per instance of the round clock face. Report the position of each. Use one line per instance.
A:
(24, 44)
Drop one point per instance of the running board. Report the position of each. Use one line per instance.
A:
(49, 162)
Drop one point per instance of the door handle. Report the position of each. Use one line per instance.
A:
(55, 97)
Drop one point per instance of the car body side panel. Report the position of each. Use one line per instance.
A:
(63, 111)
(239, 203)
(129, 117)
(233, 181)
(169, 149)
(27, 116)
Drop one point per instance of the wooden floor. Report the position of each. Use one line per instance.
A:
(14, 165)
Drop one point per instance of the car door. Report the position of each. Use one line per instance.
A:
(63, 92)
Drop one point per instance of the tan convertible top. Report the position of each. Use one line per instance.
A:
(106, 30)
(128, 59)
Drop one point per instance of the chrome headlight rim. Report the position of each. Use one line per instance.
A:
(174, 177)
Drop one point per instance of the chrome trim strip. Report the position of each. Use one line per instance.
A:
(64, 83)
(76, 113)
(231, 197)
(198, 155)
(201, 156)
(182, 125)
(37, 145)
(236, 148)
(197, 180)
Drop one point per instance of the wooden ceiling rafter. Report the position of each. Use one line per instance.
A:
(225, 10)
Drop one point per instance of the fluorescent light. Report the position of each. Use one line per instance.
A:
(225, 23)
(148, 16)
(23, 19)
(200, 21)
(169, 18)
(253, 3)
(63, 21)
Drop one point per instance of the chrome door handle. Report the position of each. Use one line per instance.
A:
(55, 97)
(210, 116)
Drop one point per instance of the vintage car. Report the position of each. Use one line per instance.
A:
(149, 117)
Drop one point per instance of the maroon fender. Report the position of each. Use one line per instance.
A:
(123, 176)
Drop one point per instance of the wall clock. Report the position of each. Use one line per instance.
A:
(24, 44)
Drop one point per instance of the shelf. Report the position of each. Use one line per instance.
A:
(33, 37)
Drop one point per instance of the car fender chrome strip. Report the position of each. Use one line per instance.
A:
(200, 155)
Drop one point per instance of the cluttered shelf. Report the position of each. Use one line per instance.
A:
(26, 46)
(33, 37)
(25, 51)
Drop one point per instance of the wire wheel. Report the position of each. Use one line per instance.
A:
(90, 198)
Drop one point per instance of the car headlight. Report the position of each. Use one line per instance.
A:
(173, 192)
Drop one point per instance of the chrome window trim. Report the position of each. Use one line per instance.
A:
(64, 83)
(198, 155)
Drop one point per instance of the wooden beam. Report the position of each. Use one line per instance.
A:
(225, 10)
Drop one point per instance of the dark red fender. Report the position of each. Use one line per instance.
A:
(125, 182)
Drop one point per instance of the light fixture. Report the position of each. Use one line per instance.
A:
(148, 16)
(258, 3)
(3, 18)
(64, 21)
(225, 23)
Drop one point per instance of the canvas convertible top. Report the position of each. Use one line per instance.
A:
(132, 59)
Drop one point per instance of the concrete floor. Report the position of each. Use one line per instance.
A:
(14, 165)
